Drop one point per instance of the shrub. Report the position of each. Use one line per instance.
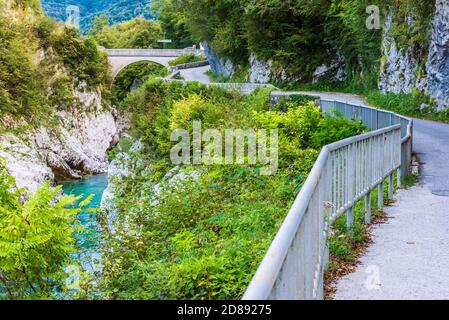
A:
(137, 33)
(335, 128)
(133, 76)
(82, 58)
(36, 239)
(200, 232)
(185, 58)
(414, 104)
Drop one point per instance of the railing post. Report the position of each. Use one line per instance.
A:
(368, 208)
(390, 186)
(350, 180)
(380, 196)
(350, 220)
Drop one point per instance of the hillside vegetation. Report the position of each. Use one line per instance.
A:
(117, 10)
(138, 33)
(41, 63)
(300, 35)
(200, 231)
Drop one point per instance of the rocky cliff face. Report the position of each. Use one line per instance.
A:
(218, 64)
(438, 60)
(404, 69)
(401, 70)
(76, 146)
(261, 71)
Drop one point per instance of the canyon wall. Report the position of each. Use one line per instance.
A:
(76, 146)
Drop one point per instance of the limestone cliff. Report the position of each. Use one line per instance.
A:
(401, 68)
(77, 145)
(424, 67)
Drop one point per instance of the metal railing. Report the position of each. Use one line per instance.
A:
(344, 173)
(244, 88)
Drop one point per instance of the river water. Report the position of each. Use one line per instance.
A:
(89, 238)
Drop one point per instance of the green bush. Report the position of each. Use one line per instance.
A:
(36, 240)
(185, 58)
(82, 58)
(335, 128)
(201, 236)
(137, 33)
(416, 104)
(133, 76)
(33, 85)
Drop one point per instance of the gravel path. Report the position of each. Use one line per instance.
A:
(410, 253)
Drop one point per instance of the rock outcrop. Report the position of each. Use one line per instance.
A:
(259, 71)
(417, 67)
(401, 70)
(217, 64)
(74, 147)
(438, 60)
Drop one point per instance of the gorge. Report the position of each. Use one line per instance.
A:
(183, 232)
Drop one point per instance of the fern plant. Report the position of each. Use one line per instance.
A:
(36, 239)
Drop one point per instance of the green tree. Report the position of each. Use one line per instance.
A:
(173, 24)
(136, 33)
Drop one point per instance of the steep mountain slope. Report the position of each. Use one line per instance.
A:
(117, 10)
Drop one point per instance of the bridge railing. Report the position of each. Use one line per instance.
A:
(344, 173)
(151, 52)
(189, 65)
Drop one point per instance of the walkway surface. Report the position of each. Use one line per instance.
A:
(409, 258)
(196, 74)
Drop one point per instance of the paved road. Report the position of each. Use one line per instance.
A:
(196, 74)
(409, 258)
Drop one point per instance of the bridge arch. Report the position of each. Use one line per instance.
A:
(121, 58)
(120, 63)
(131, 75)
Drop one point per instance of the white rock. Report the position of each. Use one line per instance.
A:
(399, 67)
(260, 71)
(24, 162)
(438, 59)
(76, 146)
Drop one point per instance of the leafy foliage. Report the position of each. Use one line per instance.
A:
(133, 76)
(136, 33)
(173, 23)
(335, 128)
(415, 104)
(300, 35)
(185, 58)
(36, 239)
(199, 232)
(41, 64)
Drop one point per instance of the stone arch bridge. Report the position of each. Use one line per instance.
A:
(121, 58)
